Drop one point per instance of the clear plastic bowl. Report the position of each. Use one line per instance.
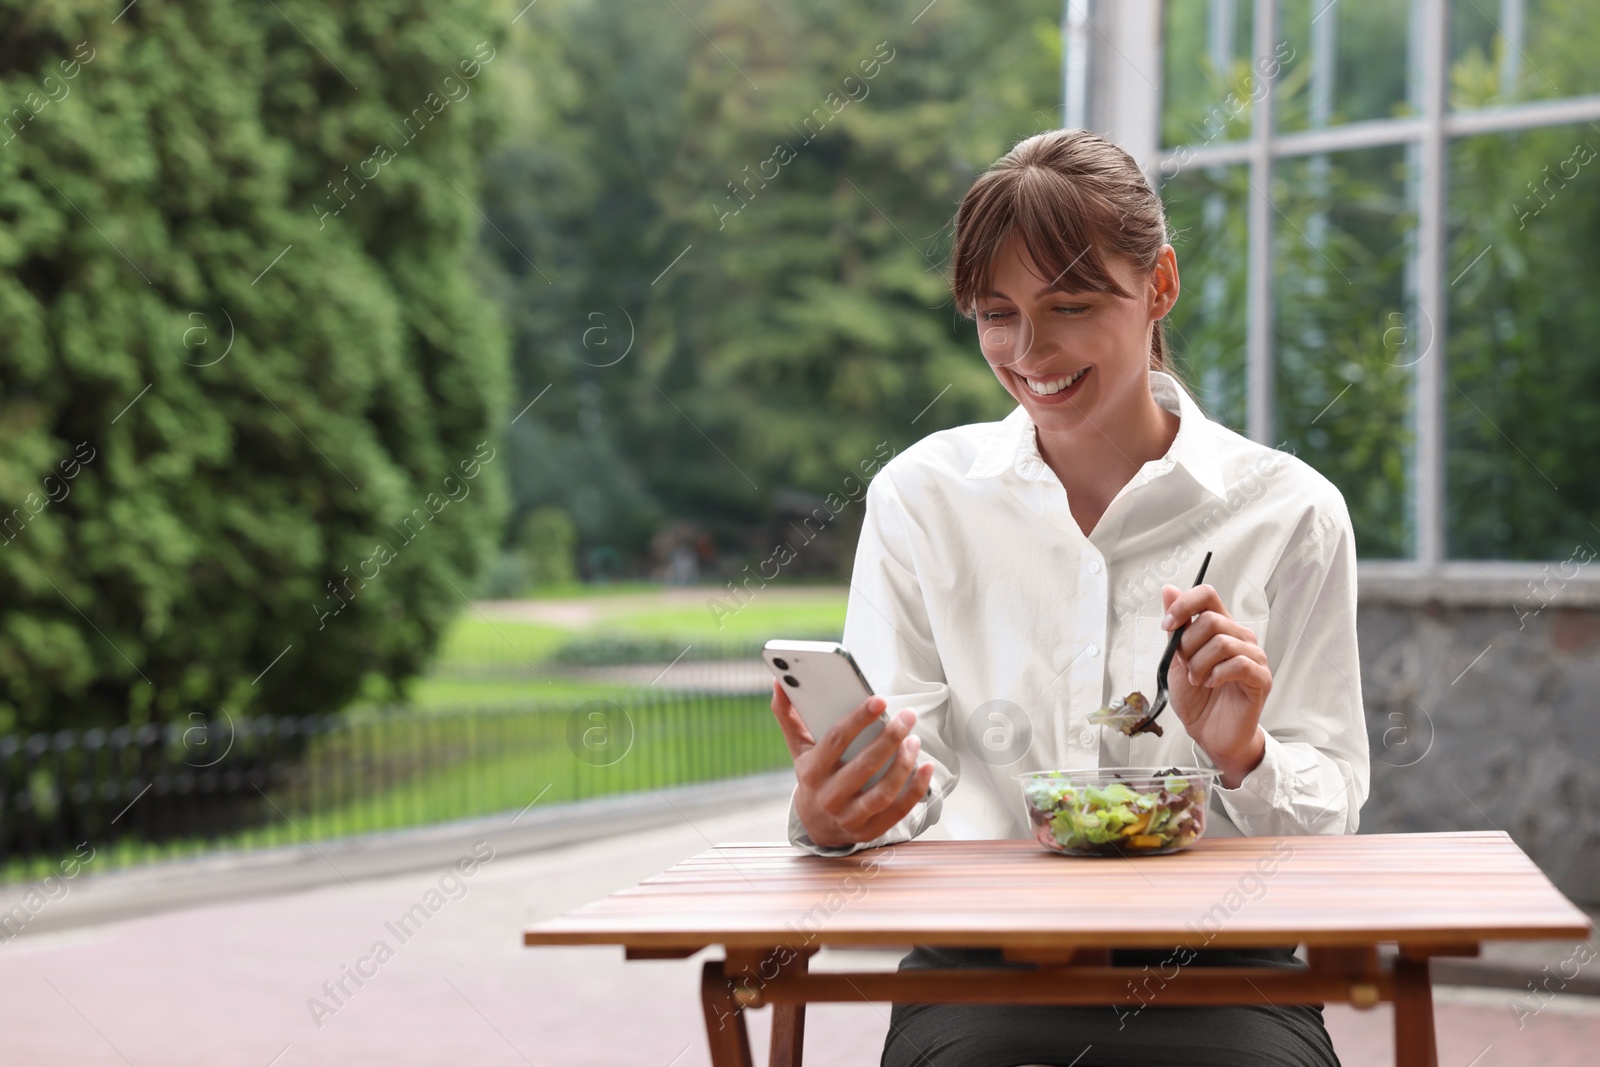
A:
(1117, 811)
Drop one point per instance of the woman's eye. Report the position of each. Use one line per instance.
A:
(995, 316)
(1073, 310)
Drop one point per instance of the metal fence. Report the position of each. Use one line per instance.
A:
(152, 792)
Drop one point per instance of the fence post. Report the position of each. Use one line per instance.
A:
(10, 825)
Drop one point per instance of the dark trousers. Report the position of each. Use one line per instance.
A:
(1140, 1032)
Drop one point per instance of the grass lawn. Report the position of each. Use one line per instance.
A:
(495, 637)
(772, 612)
(474, 639)
(461, 766)
(447, 691)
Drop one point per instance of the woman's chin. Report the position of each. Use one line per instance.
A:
(1058, 414)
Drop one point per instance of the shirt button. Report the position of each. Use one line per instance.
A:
(1093, 650)
(1094, 566)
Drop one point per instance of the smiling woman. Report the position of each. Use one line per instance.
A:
(1062, 257)
(1024, 565)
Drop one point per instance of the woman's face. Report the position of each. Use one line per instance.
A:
(1073, 359)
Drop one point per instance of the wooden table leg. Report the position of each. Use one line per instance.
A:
(1413, 1014)
(789, 1020)
(788, 1035)
(725, 1030)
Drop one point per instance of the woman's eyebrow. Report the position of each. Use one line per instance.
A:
(1063, 290)
(995, 293)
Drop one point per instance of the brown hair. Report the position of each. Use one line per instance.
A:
(1073, 197)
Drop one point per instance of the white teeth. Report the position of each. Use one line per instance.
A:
(1055, 385)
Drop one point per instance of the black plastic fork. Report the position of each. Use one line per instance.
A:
(1157, 706)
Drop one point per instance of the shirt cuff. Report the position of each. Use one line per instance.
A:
(802, 840)
(1260, 794)
(925, 812)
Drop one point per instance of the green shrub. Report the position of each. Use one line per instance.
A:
(548, 539)
(234, 292)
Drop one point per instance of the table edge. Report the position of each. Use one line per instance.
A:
(978, 938)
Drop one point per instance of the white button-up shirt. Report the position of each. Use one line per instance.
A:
(978, 601)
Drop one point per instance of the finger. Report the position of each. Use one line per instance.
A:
(1190, 603)
(1254, 676)
(1210, 626)
(1178, 674)
(831, 745)
(848, 780)
(795, 732)
(1220, 649)
(870, 802)
(916, 788)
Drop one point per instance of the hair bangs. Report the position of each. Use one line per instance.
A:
(1062, 227)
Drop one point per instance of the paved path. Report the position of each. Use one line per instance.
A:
(581, 612)
(229, 984)
(715, 676)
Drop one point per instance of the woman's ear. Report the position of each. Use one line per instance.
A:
(1164, 283)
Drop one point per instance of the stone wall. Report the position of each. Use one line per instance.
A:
(1482, 693)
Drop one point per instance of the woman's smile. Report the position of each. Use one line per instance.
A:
(1054, 389)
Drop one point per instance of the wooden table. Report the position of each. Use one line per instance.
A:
(772, 906)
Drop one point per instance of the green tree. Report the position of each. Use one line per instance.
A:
(764, 215)
(548, 539)
(234, 267)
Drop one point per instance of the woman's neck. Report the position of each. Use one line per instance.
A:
(1095, 460)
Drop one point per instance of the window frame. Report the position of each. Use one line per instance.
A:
(1122, 53)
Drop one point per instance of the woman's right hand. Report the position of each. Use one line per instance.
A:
(830, 801)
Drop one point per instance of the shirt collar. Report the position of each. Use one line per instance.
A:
(1007, 447)
(1012, 445)
(1195, 447)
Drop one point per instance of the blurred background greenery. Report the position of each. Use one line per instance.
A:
(586, 227)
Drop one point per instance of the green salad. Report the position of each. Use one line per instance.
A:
(1114, 818)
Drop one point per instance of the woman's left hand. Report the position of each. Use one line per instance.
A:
(1218, 681)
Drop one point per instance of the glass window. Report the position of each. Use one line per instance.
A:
(1510, 51)
(1206, 80)
(1341, 334)
(1341, 62)
(1518, 397)
(1523, 391)
(1206, 329)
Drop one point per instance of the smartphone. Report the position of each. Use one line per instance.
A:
(824, 684)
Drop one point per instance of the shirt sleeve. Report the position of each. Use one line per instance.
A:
(888, 631)
(1314, 775)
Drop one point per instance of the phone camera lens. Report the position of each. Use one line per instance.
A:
(781, 664)
(791, 681)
